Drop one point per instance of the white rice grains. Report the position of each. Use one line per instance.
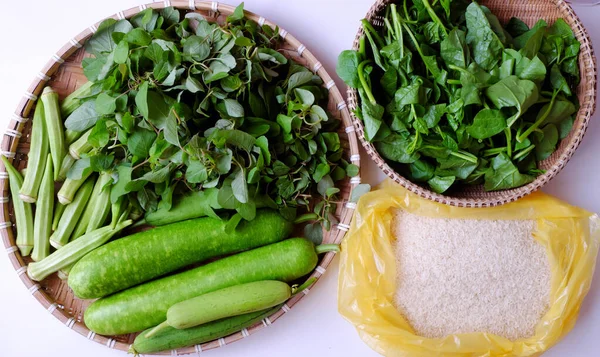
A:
(462, 276)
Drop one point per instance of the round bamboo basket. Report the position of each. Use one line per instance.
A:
(64, 73)
(475, 196)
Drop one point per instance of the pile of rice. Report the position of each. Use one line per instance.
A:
(461, 276)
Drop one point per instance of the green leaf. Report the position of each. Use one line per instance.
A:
(171, 15)
(79, 169)
(561, 110)
(394, 148)
(123, 177)
(138, 37)
(263, 143)
(534, 69)
(196, 48)
(421, 170)
(372, 117)
(196, 172)
(513, 92)
(454, 49)
(503, 174)
(234, 108)
(347, 68)
(411, 94)
(99, 135)
(83, 117)
(565, 126)
(487, 123)
(332, 141)
(305, 97)
(157, 176)
(545, 142)
(158, 110)
(324, 184)
(441, 184)
(352, 170)
(558, 81)
(140, 142)
(237, 15)
(487, 47)
(121, 52)
(170, 129)
(105, 104)
(216, 71)
(236, 138)
(298, 79)
(271, 55)
(530, 42)
(240, 186)
(434, 114)
(102, 41)
(141, 99)
(247, 210)
(321, 171)
(359, 191)
(314, 233)
(454, 166)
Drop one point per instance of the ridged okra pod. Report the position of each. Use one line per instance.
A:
(36, 158)
(42, 224)
(23, 212)
(54, 126)
(71, 215)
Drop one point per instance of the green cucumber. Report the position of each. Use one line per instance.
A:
(172, 338)
(146, 255)
(146, 305)
(219, 304)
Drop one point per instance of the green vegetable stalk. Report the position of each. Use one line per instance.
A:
(73, 100)
(70, 187)
(36, 156)
(97, 208)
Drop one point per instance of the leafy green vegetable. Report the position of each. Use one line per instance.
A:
(450, 96)
(186, 104)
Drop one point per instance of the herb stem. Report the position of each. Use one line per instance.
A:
(434, 16)
(325, 248)
(508, 134)
(465, 156)
(398, 29)
(524, 152)
(362, 51)
(538, 122)
(494, 151)
(369, 30)
(454, 81)
(306, 218)
(363, 81)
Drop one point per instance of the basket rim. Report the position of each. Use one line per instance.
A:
(587, 61)
(21, 115)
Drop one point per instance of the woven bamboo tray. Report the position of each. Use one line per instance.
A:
(530, 11)
(64, 73)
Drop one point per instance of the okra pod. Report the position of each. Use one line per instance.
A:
(42, 224)
(69, 188)
(73, 251)
(71, 136)
(97, 208)
(36, 158)
(71, 215)
(80, 146)
(59, 208)
(65, 166)
(54, 126)
(73, 100)
(23, 212)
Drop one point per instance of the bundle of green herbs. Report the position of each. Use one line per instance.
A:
(449, 96)
(180, 104)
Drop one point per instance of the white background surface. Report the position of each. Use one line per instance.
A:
(33, 30)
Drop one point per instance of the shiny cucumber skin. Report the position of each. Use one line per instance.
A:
(172, 338)
(232, 301)
(146, 305)
(143, 256)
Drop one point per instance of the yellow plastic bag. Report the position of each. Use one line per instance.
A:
(367, 280)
